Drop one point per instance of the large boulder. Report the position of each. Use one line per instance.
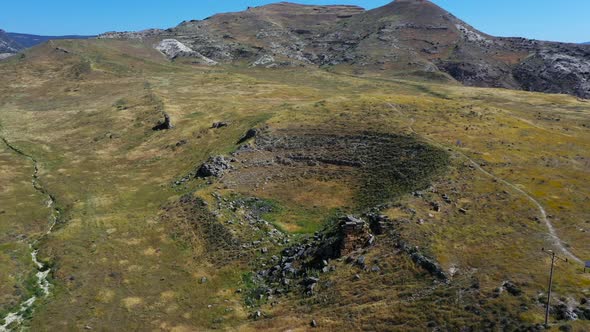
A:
(214, 167)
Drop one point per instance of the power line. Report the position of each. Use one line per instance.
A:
(553, 258)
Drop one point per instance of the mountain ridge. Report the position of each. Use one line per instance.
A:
(404, 37)
(7, 45)
(13, 42)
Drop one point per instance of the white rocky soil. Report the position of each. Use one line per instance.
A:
(173, 49)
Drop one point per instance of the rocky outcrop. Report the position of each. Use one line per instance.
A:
(144, 34)
(173, 49)
(266, 60)
(479, 73)
(299, 264)
(214, 167)
(557, 70)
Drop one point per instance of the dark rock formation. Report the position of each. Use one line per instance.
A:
(164, 124)
(511, 288)
(220, 124)
(251, 133)
(556, 70)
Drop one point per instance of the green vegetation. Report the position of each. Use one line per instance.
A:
(130, 255)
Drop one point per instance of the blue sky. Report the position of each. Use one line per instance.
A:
(567, 20)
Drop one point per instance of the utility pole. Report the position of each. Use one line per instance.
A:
(553, 258)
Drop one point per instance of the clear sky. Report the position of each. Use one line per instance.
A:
(561, 20)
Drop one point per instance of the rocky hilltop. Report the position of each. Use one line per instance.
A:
(405, 37)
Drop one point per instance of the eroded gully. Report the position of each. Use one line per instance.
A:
(14, 319)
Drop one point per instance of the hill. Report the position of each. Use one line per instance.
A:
(11, 43)
(456, 190)
(404, 38)
(28, 40)
(141, 192)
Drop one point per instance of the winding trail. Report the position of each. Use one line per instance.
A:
(555, 240)
(14, 319)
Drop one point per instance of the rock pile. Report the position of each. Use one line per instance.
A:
(214, 167)
(301, 263)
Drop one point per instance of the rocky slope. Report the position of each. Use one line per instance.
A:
(405, 37)
(7, 45)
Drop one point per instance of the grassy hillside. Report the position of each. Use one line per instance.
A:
(133, 245)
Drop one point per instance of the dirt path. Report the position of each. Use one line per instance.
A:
(14, 319)
(555, 240)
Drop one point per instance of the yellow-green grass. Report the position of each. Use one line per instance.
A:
(117, 266)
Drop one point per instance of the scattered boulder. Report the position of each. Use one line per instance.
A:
(361, 261)
(564, 312)
(256, 315)
(511, 288)
(447, 199)
(435, 206)
(220, 124)
(310, 281)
